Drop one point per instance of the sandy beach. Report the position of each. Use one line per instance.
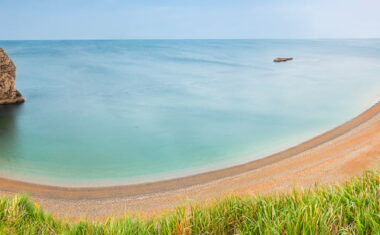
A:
(329, 158)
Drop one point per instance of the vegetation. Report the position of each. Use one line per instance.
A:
(352, 208)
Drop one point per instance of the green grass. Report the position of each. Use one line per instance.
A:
(351, 208)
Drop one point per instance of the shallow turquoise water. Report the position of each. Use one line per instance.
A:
(122, 112)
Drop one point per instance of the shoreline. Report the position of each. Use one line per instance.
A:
(251, 177)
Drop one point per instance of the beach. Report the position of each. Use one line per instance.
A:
(332, 157)
(189, 117)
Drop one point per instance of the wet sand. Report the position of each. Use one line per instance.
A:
(329, 158)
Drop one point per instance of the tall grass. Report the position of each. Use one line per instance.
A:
(351, 208)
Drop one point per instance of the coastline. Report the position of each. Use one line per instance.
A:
(350, 148)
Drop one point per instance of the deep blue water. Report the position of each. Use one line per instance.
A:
(121, 112)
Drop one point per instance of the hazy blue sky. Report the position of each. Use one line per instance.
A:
(124, 19)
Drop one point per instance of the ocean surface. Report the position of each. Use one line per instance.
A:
(129, 111)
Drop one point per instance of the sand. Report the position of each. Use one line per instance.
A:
(329, 158)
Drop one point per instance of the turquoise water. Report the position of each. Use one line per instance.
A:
(123, 112)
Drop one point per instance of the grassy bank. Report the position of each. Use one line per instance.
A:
(353, 207)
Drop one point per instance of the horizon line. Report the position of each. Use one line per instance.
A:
(125, 39)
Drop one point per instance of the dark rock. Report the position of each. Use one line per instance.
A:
(279, 59)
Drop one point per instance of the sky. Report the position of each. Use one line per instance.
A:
(188, 19)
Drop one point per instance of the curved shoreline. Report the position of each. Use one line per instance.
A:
(343, 151)
(187, 181)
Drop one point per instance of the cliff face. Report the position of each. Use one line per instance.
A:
(8, 93)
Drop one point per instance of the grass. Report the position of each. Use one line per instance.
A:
(351, 208)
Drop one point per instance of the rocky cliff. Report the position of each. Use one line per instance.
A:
(8, 93)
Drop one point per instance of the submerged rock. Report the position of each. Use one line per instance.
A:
(279, 59)
(8, 93)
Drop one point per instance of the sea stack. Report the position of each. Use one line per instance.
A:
(279, 59)
(8, 92)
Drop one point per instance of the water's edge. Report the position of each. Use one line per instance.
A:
(172, 184)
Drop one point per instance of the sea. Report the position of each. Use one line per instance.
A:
(120, 112)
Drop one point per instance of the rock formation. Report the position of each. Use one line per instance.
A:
(279, 59)
(8, 93)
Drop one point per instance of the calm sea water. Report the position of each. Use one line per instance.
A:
(122, 112)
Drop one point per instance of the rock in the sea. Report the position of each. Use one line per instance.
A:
(8, 93)
(279, 59)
